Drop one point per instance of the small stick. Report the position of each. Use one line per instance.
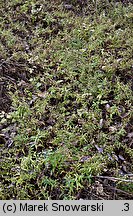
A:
(114, 179)
(119, 190)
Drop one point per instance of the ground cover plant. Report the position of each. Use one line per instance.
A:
(66, 100)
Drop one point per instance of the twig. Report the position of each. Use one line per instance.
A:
(114, 179)
(119, 190)
(129, 174)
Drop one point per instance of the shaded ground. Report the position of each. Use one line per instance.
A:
(66, 100)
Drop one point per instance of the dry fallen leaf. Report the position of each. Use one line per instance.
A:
(130, 135)
(42, 94)
(121, 157)
(112, 129)
(84, 158)
(100, 150)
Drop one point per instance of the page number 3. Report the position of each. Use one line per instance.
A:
(126, 207)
